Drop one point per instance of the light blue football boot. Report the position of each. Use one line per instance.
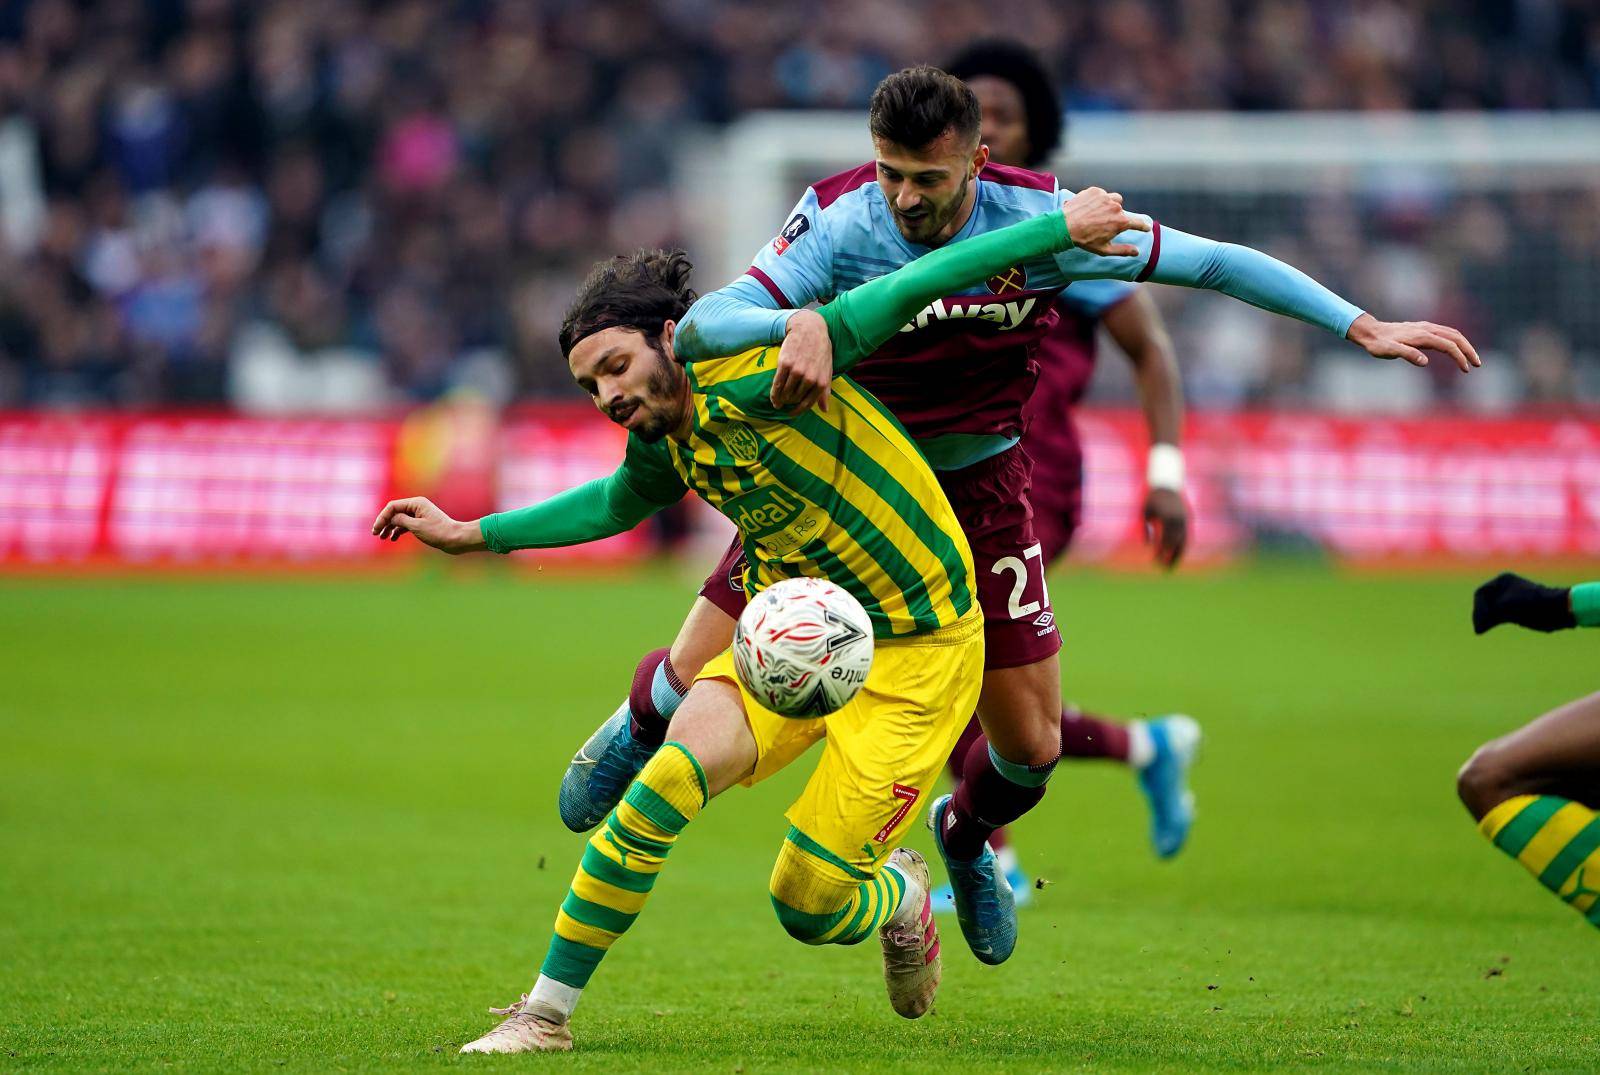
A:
(601, 771)
(944, 897)
(985, 907)
(1165, 781)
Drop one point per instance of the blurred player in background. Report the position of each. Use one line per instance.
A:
(1535, 793)
(1022, 126)
(957, 375)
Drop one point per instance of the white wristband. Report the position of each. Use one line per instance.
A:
(1165, 468)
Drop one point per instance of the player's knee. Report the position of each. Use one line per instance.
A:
(802, 908)
(1021, 714)
(1040, 752)
(802, 926)
(687, 659)
(1033, 742)
(1486, 780)
(809, 894)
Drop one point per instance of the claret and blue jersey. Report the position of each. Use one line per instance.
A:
(842, 493)
(973, 352)
(961, 370)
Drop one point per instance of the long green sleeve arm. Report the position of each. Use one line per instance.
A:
(643, 485)
(864, 318)
(1586, 604)
(594, 510)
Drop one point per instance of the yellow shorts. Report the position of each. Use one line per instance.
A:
(883, 751)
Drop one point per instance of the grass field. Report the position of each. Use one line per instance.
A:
(310, 825)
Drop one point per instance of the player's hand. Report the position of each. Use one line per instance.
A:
(1166, 525)
(1510, 598)
(422, 517)
(1408, 339)
(1095, 218)
(805, 365)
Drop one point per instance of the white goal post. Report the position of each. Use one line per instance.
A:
(1491, 220)
(738, 185)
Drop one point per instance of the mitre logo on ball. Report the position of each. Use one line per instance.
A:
(1013, 279)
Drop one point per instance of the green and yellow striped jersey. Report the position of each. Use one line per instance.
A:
(841, 494)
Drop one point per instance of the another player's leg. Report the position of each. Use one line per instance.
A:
(1004, 775)
(714, 749)
(1535, 794)
(1160, 750)
(1005, 853)
(604, 766)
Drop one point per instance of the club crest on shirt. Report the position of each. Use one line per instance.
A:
(741, 441)
(798, 225)
(1013, 279)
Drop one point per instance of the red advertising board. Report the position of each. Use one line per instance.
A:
(1363, 488)
(179, 489)
(547, 450)
(183, 489)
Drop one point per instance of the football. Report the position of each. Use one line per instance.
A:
(803, 647)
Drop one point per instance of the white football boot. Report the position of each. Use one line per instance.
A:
(523, 1032)
(911, 964)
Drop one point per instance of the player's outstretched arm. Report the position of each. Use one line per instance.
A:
(730, 320)
(1265, 282)
(423, 518)
(1510, 598)
(863, 319)
(595, 510)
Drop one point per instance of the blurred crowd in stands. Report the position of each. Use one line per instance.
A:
(327, 204)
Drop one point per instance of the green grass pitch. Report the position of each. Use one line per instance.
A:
(309, 824)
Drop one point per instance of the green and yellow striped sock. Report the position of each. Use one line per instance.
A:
(620, 864)
(1557, 840)
(821, 899)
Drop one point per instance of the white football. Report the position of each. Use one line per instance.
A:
(803, 647)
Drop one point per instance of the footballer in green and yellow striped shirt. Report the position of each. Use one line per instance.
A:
(841, 494)
(837, 492)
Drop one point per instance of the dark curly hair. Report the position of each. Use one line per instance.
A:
(1019, 65)
(642, 291)
(913, 107)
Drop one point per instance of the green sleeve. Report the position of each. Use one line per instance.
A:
(643, 485)
(1586, 604)
(864, 318)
